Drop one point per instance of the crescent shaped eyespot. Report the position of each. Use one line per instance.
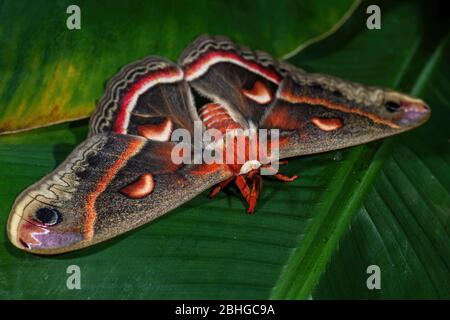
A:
(259, 93)
(140, 188)
(327, 124)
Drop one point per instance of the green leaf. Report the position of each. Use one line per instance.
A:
(404, 210)
(404, 223)
(384, 203)
(51, 74)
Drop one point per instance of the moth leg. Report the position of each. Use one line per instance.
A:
(254, 193)
(216, 189)
(242, 185)
(252, 197)
(282, 177)
(250, 194)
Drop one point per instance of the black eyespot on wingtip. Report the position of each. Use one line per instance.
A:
(48, 216)
(391, 106)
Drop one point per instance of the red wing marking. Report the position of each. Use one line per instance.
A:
(327, 124)
(28, 233)
(168, 75)
(141, 188)
(281, 118)
(292, 98)
(199, 67)
(132, 149)
(259, 93)
(158, 132)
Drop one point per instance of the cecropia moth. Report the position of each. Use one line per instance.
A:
(124, 175)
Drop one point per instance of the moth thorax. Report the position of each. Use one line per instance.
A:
(215, 116)
(249, 166)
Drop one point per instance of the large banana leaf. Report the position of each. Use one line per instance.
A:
(50, 74)
(385, 203)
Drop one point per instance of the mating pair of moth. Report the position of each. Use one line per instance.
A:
(123, 176)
